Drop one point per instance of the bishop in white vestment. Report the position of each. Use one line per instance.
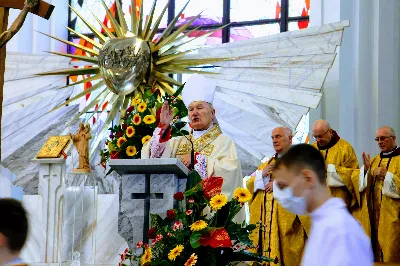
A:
(215, 153)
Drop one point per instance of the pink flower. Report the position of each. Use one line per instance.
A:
(122, 257)
(189, 212)
(126, 250)
(177, 225)
(169, 235)
(139, 244)
(191, 201)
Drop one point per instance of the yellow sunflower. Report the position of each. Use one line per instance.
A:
(131, 150)
(130, 131)
(175, 252)
(142, 107)
(120, 141)
(218, 201)
(136, 100)
(149, 119)
(136, 119)
(242, 194)
(192, 260)
(145, 139)
(147, 256)
(198, 225)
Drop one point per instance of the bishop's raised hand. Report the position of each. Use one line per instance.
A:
(166, 115)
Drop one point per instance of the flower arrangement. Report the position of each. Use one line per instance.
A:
(138, 122)
(186, 236)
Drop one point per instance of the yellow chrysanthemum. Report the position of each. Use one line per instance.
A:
(130, 131)
(142, 107)
(149, 119)
(136, 119)
(192, 260)
(242, 195)
(175, 252)
(198, 225)
(218, 201)
(120, 141)
(131, 150)
(136, 100)
(147, 256)
(145, 139)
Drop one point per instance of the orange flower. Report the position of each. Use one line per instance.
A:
(130, 131)
(121, 141)
(137, 119)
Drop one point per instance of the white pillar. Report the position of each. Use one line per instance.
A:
(361, 92)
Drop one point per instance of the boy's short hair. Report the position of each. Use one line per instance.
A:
(13, 223)
(302, 156)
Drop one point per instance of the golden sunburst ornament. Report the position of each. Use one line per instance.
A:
(129, 60)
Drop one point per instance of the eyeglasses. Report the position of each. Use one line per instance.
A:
(383, 138)
(320, 136)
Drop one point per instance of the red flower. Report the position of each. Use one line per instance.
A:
(130, 109)
(124, 126)
(139, 244)
(126, 250)
(171, 214)
(217, 238)
(122, 257)
(145, 245)
(212, 186)
(111, 136)
(152, 233)
(191, 201)
(114, 155)
(120, 134)
(179, 196)
(189, 212)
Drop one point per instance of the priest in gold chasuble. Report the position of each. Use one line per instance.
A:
(215, 153)
(341, 162)
(279, 234)
(380, 194)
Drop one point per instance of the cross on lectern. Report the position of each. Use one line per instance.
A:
(147, 196)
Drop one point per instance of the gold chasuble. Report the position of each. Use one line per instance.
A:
(381, 206)
(281, 234)
(342, 162)
(222, 159)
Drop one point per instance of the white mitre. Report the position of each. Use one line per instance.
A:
(198, 88)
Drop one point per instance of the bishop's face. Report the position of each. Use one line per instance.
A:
(201, 115)
(386, 141)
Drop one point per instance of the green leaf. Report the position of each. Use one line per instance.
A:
(194, 240)
(179, 90)
(156, 220)
(193, 179)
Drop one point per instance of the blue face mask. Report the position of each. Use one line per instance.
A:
(285, 197)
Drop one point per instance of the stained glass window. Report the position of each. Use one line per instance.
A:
(211, 11)
(249, 32)
(258, 9)
(299, 8)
